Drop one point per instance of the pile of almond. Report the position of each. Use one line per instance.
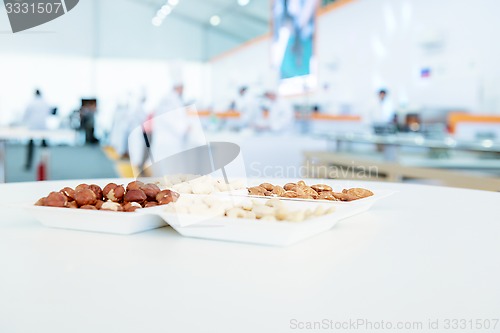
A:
(301, 190)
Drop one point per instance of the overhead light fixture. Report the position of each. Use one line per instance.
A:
(215, 20)
(165, 10)
(243, 3)
(156, 21)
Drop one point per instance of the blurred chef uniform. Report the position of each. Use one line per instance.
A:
(383, 111)
(281, 115)
(246, 104)
(137, 140)
(173, 129)
(36, 116)
(120, 129)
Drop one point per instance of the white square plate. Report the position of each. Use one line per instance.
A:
(97, 221)
(269, 232)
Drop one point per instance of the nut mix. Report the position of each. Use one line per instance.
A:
(301, 190)
(112, 197)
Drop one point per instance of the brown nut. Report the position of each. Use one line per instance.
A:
(290, 194)
(267, 186)
(135, 196)
(72, 204)
(359, 193)
(326, 195)
(85, 197)
(343, 196)
(131, 207)
(69, 193)
(300, 191)
(165, 200)
(112, 206)
(97, 190)
(88, 207)
(99, 204)
(56, 199)
(278, 190)
(321, 188)
(151, 191)
(150, 204)
(136, 185)
(166, 196)
(107, 188)
(257, 190)
(309, 191)
(289, 186)
(40, 202)
(113, 192)
(81, 187)
(268, 194)
(301, 183)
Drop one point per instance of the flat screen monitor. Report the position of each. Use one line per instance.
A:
(293, 44)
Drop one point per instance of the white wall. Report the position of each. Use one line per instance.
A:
(370, 44)
(65, 80)
(105, 49)
(248, 65)
(118, 79)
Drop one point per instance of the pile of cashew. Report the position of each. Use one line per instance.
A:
(267, 210)
(194, 184)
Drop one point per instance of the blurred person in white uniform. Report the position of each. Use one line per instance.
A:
(137, 140)
(174, 130)
(121, 128)
(383, 111)
(35, 117)
(246, 104)
(281, 117)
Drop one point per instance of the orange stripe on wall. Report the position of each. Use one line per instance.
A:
(458, 117)
(241, 47)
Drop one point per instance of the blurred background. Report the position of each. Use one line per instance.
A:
(387, 90)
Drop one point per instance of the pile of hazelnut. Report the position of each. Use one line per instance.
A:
(112, 197)
(301, 190)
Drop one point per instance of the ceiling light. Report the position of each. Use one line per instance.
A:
(243, 3)
(215, 20)
(165, 10)
(156, 21)
(173, 2)
(160, 14)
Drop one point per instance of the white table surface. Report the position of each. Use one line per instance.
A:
(426, 253)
